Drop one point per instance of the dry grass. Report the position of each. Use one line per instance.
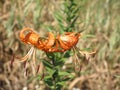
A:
(101, 19)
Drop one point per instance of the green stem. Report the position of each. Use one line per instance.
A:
(54, 78)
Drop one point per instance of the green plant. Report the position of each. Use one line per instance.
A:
(55, 77)
(66, 18)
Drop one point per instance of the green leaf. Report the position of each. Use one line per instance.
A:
(67, 54)
(60, 19)
(50, 71)
(60, 62)
(47, 64)
(55, 74)
(61, 83)
(50, 55)
(64, 73)
(48, 80)
(58, 16)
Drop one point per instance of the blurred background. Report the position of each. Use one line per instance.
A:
(101, 20)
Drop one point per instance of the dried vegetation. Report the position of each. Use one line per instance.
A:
(101, 19)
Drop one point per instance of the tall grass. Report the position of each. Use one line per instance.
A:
(98, 18)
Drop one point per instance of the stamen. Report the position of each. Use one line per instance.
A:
(12, 60)
(28, 55)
